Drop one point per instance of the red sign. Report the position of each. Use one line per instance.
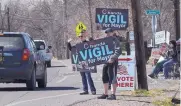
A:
(124, 59)
(125, 81)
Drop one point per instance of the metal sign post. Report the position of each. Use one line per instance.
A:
(153, 13)
(154, 28)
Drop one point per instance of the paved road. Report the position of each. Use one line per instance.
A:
(63, 89)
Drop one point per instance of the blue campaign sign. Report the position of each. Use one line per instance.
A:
(96, 52)
(81, 66)
(112, 18)
(152, 12)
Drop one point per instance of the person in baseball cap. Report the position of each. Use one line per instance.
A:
(110, 68)
(109, 30)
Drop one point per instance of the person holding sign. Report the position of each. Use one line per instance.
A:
(86, 76)
(110, 69)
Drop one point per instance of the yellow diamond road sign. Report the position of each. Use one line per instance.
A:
(79, 28)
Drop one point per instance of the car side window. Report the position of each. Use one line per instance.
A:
(28, 43)
(33, 44)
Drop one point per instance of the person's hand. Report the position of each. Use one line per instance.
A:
(110, 61)
(69, 40)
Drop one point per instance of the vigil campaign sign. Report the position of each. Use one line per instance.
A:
(80, 66)
(112, 18)
(96, 52)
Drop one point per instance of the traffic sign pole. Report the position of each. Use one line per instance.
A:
(154, 27)
(153, 13)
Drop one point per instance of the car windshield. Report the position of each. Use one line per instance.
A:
(10, 43)
(39, 43)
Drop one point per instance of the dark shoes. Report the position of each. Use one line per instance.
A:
(103, 96)
(152, 76)
(111, 97)
(86, 93)
(93, 92)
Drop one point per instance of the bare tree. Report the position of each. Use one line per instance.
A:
(55, 20)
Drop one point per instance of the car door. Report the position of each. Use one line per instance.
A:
(40, 60)
(37, 57)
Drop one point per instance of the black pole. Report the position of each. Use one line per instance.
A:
(139, 45)
(9, 29)
(177, 18)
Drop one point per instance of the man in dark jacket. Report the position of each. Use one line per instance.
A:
(86, 76)
(110, 69)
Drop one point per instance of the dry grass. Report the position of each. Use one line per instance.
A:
(150, 93)
(164, 102)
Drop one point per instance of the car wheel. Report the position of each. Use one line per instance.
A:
(31, 84)
(48, 63)
(42, 83)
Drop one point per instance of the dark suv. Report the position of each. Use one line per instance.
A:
(21, 61)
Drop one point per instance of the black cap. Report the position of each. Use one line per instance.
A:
(108, 30)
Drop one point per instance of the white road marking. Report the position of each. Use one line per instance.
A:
(64, 78)
(67, 66)
(48, 97)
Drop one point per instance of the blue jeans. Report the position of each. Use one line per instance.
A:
(167, 66)
(86, 77)
(158, 67)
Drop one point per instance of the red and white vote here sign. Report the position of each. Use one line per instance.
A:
(126, 73)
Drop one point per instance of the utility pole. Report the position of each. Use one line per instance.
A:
(2, 25)
(180, 17)
(139, 45)
(90, 15)
(177, 18)
(8, 13)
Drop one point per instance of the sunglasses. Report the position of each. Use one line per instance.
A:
(80, 36)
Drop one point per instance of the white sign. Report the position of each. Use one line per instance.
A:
(131, 35)
(160, 37)
(125, 76)
(167, 37)
(126, 72)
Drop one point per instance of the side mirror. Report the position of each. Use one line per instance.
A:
(38, 49)
(49, 47)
